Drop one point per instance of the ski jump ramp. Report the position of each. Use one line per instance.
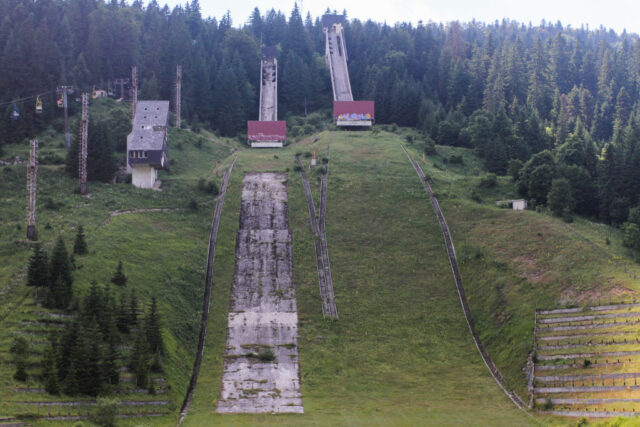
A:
(346, 111)
(267, 131)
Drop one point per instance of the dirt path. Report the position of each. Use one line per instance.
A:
(451, 252)
(213, 238)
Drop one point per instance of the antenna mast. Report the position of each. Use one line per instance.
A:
(83, 143)
(31, 190)
(134, 90)
(178, 94)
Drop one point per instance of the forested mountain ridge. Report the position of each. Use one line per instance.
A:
(506, 89)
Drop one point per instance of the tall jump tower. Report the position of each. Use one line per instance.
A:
(346, 111)
(268, 131)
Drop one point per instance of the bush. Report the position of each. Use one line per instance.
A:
(209, 187)
(488, 181)
(266, 355)
(548, 405)
(297, 168)
(193, 205)
(429, 145)
(586, 363)
(105, 412)
(456, 160)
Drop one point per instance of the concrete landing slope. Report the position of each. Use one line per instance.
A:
(261, 372)
(269, 90)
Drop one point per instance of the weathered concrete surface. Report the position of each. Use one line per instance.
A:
(263, 312)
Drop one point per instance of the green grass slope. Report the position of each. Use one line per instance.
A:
(401, 353)
(163, 252)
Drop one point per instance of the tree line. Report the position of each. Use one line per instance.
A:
(510, 91)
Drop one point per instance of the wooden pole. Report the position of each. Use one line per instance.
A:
(83, 143)
(178, 94)
(32, 180)
(134, 91)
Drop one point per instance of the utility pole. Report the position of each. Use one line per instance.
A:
(134, 91)
(83, 143)
(65, 90)
(178, 94)
(32, 180)
(121, 83)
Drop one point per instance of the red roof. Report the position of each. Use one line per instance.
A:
(354, 110)
(267, 131)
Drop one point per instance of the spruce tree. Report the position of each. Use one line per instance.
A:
(119, 278)
(38, 273)
(152, 329)
(19, 349)
(80, 245)
(50, 369)
(133, 309)
(139, 361)
(123, 316)
(60, 279)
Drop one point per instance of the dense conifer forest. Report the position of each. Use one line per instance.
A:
(553, 106)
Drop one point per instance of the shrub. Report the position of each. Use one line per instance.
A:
(105, 412)
(266, 355)
(586, 363)
(193, 205)
(209, 187)
(488, 181)
(456, 160)
(548, 405)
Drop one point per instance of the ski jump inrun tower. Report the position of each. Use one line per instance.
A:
(268, 131)
(346, 111)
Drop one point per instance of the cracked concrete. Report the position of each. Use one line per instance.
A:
(261, 372)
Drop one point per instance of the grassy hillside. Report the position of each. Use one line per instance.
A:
(163, 252)
(401, 352)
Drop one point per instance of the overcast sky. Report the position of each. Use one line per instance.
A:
(616, 14)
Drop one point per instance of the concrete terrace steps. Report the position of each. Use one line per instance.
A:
(593, 377)
(595, 334)
(603, 328)
(593, 308)
(552, 320)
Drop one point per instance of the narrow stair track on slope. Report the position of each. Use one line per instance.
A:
(206, 304)
(261, 368)
(145, 210)
(451, 252)
(325, 280)
(565, 401)
(592, 414)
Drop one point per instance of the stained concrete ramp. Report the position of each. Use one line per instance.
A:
(263, 319)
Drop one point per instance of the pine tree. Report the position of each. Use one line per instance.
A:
(140, 359)
(80, 245)
(19, 350)
(119, 278)
(61, 291)
(133, 309)
(123, 316)
(50, 369)
(38, 272)
(152, 329)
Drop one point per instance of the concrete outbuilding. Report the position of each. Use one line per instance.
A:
(147, 144)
